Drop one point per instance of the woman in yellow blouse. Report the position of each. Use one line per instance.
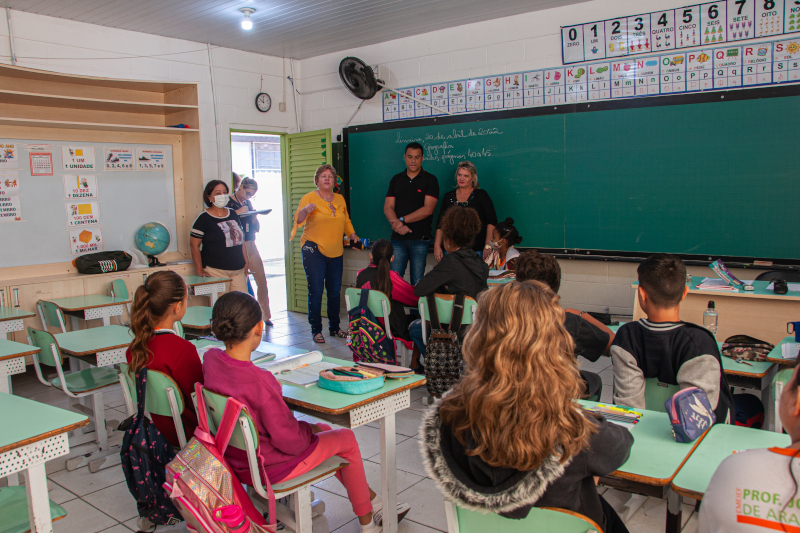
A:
(323, 214)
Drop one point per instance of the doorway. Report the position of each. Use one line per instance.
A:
(258, 155)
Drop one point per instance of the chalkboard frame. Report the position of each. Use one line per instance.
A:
(767, 263)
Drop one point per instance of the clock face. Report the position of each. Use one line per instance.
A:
(263, 102)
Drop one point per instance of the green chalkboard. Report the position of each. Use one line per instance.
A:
(713, 178)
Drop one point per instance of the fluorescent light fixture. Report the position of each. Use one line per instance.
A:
(247, 24)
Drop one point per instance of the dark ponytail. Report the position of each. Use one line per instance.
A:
(382, 252)
(507, 231)
(150, 303)
(234, 315)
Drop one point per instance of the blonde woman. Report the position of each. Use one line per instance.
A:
(510, 436)
(323, 215)
(468, 194)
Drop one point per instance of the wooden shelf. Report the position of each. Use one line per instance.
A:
(5, 121)
(95, 104)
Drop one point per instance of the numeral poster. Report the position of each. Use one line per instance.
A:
(10, 210)
(9, 158)
(82, 214)
(78, 158)
(118, 159)
(81, 186)
(154, 159)
(83, 241)
(41, 163)
(9, 184)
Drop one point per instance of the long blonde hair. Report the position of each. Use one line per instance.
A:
(515, 402)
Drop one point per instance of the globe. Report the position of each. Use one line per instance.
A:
(153, 238)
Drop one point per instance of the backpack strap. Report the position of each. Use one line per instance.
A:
(364, 301)
(202, 416)
(141, 390)
(458, 313)
(433, 312)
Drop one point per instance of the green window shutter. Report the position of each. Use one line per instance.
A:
(302, 154)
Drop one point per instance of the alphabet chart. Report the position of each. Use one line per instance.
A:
(711, 23)
(667, 73)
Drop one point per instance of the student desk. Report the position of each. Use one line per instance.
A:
(12, 361)
(107, 343)
(91, 307)
(654, 461)
(500, 281)
(199, 286)
(266, 348)
(197, 317)
(776, 355)
(760, 313)
(11, 320)
(719, 443)
(33, 433)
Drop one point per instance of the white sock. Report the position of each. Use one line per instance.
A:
(377, 503)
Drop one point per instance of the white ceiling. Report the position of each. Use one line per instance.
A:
(284, 28)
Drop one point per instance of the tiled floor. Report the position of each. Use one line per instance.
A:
(101, 502)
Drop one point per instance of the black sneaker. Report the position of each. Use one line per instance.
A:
(420, 370)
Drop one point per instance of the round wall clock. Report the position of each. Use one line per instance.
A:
(263, 102)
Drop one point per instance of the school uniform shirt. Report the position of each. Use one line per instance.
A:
(177, 358)
(250, 223)
(222, 238)
(752, 491)
(590, 341)
(495, 263)
(478, 200)
(409, 195)
(402, 295)
(461, 272)
(675, 353)
(326, 226)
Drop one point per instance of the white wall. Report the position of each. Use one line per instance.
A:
(78, 48)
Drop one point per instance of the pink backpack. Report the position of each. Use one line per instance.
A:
(201, 483)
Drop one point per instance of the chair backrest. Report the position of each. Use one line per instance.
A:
(51, 315)
(786, 275)
(43, 340)
(539, 520)
(378, 303)
(656, 394)
(778, 383)
(215, 406)
(444, 307)
(156, 401)
(178, 328)
(119, 289)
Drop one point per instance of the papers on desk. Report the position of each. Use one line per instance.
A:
(793, 287)
(301, 370)
(256, 356)
(717, 284)
(789, 350)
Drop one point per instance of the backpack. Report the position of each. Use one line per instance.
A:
(690, 414)
(746, 348)
(144, 456)
(102, 262)
(443, 361)
(368, 340)
(202, 484)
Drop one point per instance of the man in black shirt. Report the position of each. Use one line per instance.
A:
(409, 206)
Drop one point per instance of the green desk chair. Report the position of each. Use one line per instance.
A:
(297, 516)
(778, 383)
(163, 397)
(178, 327)
(444, 308)
(120, 290)
(381, 306)
(197, 317)
(51, 315)
(657, 393)
(539, 520)
(92, 381)
(14, 517)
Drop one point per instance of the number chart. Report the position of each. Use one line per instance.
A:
(711, 23)
(701, 69)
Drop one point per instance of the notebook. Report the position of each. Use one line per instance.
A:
(300, 370)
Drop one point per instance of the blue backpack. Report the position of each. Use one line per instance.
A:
(368, 340)
(145, 455)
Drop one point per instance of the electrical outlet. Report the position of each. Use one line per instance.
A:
(282, 107)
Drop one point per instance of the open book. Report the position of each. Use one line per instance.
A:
(301, 370)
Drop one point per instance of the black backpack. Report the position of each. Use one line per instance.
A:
(443, 361)
(368, 340)
(145, 455)
(102, 262)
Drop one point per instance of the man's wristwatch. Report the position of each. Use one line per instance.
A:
(402, 219)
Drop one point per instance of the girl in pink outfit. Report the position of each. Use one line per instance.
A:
(287, 446)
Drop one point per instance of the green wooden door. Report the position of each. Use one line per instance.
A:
(302, 153)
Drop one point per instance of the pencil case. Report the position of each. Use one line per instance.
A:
(340, 379)
(690, 414)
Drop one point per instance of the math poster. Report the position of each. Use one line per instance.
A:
(9, 156)
(84, 241)
(80, 186)
(78, 158)
(149, 159)
(118, 159)
(41, 163)
(9, 184)
(81, 214)
(10, 210)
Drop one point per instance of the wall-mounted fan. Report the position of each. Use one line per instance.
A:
(360, 80)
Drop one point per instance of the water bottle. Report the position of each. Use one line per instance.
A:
(233, 517)
(711, 318)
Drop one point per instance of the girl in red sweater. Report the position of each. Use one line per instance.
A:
(157, 305)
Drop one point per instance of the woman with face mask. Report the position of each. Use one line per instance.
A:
(219, 231)
(503, 253)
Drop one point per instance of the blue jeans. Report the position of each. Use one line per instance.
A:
(414, 251)
(415, 332)
(322, 272)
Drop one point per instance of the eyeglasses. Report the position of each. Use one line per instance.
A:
(249, 194)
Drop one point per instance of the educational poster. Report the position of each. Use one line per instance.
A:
(41, 163)
(118, 159)
(699, 70)
(456, 94)
(423, 93)
(78, 158)
(770, 15)
(673, 73)
(149, 159)
(475, 95)
(493, 92)
(757, 64)
(9, 183)
(82, 214)
(647, 73)
(663, 30)
(390, 108)
(786, 61)
(406, 104)
(623, 84)
(728, 67)
(599, 81)
(512, 90)
(9, 158)
(438, 98)
(84, 241)
(554, 86)
(80, 186)
(533, 89)
(576, 84)
(10, 210)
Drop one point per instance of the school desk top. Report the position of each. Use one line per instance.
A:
(193, 281)
(14, 313)
(25, 421)
(719, 443)
(197, 317)
(91, 301)
(760, 290)
(776, 355)
(655, 456)
(265, 348)
(93, 340)
(12, 350)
